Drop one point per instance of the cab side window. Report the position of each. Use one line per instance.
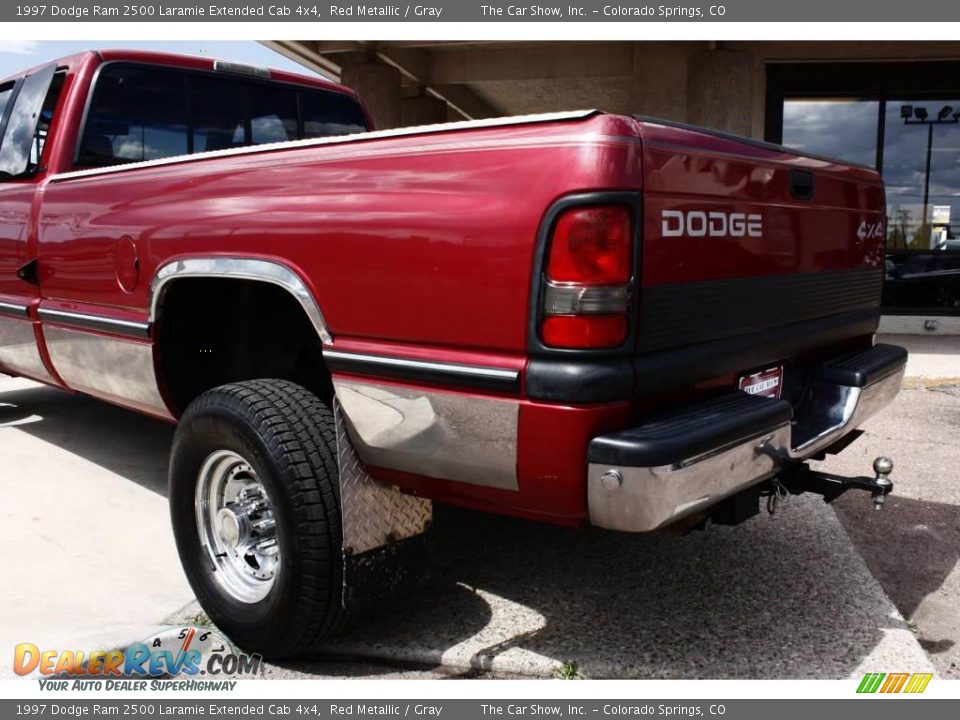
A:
(273, 114)
(135, 114)
(218, 109)
(326, 114)
(145, 113)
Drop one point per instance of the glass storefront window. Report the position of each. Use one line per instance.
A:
(842, 129)
(923, 212)
(923, 207)
(921, 169)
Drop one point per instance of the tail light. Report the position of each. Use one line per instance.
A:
(587, 287)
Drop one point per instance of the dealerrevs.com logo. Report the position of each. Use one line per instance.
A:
(892, 683)
(186, 652)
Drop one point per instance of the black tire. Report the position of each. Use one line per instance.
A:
(288, 436)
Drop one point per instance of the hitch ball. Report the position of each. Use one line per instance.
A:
(882, 466)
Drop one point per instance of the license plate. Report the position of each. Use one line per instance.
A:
(767, 383)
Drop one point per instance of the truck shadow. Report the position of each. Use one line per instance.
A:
(910, 548)
(781, 597)
(129, 444)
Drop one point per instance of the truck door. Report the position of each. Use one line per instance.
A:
(25, 111)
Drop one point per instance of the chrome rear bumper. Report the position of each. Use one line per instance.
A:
(686, 461)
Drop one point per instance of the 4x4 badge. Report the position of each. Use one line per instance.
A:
(870, 231)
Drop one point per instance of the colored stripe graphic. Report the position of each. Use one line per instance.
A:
(894, 682)
(918, 682)
(871, 682)
(913, 683)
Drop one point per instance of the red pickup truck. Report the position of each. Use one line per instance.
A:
(578, 318)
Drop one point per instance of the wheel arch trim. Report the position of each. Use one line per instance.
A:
(239, 268)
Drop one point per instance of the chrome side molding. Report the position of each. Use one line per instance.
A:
(95, 322)
(239, 268)
(444, 373)
(14, 309)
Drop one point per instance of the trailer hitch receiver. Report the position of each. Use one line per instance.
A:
(800, 479)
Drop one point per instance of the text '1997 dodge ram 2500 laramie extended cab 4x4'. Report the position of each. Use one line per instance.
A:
(578, 318)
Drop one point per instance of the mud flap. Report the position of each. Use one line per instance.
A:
(383, 529)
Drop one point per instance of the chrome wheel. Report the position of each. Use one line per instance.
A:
(237, 528)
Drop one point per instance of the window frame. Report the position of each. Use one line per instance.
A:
(185, 72)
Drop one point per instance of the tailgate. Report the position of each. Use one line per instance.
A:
(751, 254)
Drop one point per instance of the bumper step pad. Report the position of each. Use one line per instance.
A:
(682, 434)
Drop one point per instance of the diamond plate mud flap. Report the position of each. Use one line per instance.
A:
(383, 529)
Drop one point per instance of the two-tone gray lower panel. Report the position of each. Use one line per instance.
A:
(129, 328)
(115, 369)
(435, 433)
(19, 353)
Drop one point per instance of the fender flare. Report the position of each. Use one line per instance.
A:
(239, 268)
